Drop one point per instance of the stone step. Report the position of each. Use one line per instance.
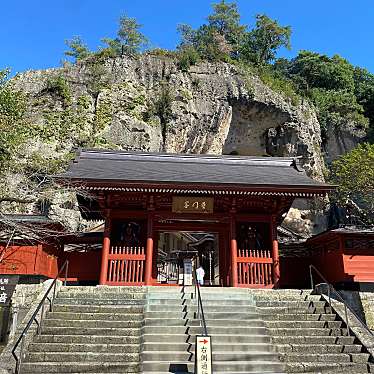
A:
(326, 367)
(194, 330)
(286, 297)
(90, 331)
(209, 302)
(78, 308)
(307, 331)
(310, 339)
(81, 357)
(297, 309)
(218, 356)
(103, 289)
(96, 316)
(98, 301)
(99, 295)
(303, 324)
(170, 322)
(85, 347)
(85, 339)
(81, 323)
(216, 347)
(222, 338)
(242, 316)
(207, 308)
(298, 317)
(204, 297)
(289, 303)
(219, 366)
(319, 348)
(324, 357)
(205, 289)
(79, 367)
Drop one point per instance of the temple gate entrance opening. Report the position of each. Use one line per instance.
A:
(175, 248)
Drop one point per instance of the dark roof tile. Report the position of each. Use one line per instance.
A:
(132, 167)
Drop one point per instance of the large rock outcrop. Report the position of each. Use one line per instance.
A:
(147, 103)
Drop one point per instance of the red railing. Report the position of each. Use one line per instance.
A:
(255, 268)
(126, 266)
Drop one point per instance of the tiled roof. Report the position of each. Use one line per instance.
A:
(118, 168)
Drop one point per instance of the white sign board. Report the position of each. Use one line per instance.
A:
(187, 270)
(203, 355)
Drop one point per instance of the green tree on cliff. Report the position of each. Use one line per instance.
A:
(78, 49)
(262, 43)
(219, 39)
(225, 21)
(364, 91)
(321, 71)
(354, 175)
(129, 39)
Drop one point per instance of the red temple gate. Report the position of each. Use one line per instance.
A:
(204, 192)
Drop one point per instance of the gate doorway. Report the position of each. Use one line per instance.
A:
(175, 248)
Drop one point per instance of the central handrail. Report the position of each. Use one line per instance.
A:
(200, 309)
(34, 316)
(330, 288)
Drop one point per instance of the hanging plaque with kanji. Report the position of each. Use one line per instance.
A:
(7, 285)
(191, 204)
(203, 355)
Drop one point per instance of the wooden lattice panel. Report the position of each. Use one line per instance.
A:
(255, 268)
(126, 266)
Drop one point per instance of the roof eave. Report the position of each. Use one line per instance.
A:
(144, 186)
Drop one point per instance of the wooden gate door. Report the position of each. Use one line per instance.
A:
(255, 268)
(126, 266)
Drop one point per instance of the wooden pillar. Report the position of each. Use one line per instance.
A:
(233, 247)
(275, 251)
(222, 259)
(149, 248)
(105, 249)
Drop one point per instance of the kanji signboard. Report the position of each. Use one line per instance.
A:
(203, 355)
(192, 204)
(7, 285)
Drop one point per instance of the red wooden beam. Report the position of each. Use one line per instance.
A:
(255, 260)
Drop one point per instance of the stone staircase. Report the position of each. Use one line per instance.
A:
(153, 330)
(91, 330)
(308, 336)
(240, 343)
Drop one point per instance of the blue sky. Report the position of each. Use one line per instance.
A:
(32, 33)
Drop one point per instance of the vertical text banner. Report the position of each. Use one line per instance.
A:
(187, 269)
(7, 285)
(203, 355)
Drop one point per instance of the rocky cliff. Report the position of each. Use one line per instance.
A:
(147, 103)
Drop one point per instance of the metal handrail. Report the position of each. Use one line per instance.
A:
(330, 288)
(34, 316)
(200, 309)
